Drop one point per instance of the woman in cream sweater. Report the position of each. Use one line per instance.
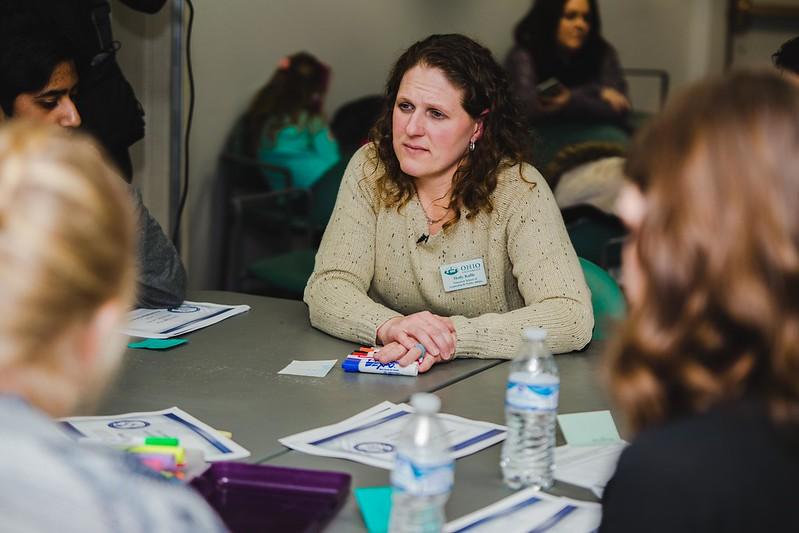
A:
(443, 241)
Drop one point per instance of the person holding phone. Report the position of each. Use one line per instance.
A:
(562, 69)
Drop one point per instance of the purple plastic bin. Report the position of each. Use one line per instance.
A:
(253, 498)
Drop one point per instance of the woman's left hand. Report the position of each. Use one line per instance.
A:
(616, 99)
(394, 351)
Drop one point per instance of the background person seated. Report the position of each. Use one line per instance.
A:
(561, 40)
(67, 277)
(38, 81)
(707, 365)
(284, 123)
(444, 183)
(108, 106)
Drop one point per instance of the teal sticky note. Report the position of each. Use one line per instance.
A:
(157, 344)
(375, 505)
(589, 429)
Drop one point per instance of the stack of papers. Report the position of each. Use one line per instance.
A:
(122, 430)
(587, 466)
(589, 459)
(370, 437)
(531, 511)
(166, 323)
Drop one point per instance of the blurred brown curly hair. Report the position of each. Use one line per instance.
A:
(505, 141)
(718, 317)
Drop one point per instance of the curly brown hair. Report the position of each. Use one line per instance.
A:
(505, 141)
(718, 316)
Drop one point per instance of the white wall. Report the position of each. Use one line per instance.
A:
(237, 44)
(145, 59)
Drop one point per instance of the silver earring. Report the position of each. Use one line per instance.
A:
(471, 146)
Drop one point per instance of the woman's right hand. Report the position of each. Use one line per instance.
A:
(435, 333)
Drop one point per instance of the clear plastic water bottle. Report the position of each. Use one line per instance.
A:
(423, 472)
(531, 404)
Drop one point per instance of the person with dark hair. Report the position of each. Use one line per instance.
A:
(444, 242)
(106, 102)
(38, 77)
(38, 81)
(706, 367)
(284, 124)
(787, 59)
(561, 68)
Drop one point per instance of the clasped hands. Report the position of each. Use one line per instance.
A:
(400, 337)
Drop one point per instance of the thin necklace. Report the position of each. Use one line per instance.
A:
(431, 221)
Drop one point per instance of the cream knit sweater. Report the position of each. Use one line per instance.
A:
(369, 267)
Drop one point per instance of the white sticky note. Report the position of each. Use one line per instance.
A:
(314, 369)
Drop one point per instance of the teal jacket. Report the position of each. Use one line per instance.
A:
(306, 150)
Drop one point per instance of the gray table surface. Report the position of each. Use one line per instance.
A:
(227, 376)
(478, 480)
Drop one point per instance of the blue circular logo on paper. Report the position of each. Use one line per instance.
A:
(128, 424)
(374, 447)
(184, 309)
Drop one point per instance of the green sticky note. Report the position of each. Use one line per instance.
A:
(589, 429)
(375, 504)
(157, 344)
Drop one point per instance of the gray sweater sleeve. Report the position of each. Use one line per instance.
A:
(162, 278)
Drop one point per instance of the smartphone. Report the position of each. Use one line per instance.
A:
(549, 88)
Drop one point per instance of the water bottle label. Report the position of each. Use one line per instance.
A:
(427, 480)
(532, 397)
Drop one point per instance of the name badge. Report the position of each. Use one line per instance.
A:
(463, 275)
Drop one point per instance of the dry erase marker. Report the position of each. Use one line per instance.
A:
(372, 366)
(365, 352)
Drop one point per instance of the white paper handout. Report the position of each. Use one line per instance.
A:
(190, 316)
(587, 466)
(370, 437)
(119, 430)
(531, 511)
(315, 369)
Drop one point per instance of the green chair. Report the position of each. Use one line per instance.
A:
(607, 300)
(593, 233)
(286, 274)
(553, 137)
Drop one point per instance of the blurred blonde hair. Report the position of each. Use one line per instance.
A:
(67, 241)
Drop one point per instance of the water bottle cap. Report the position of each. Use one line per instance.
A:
(425, 402)
(535, 334)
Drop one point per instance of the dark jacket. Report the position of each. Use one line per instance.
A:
(585, 104)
